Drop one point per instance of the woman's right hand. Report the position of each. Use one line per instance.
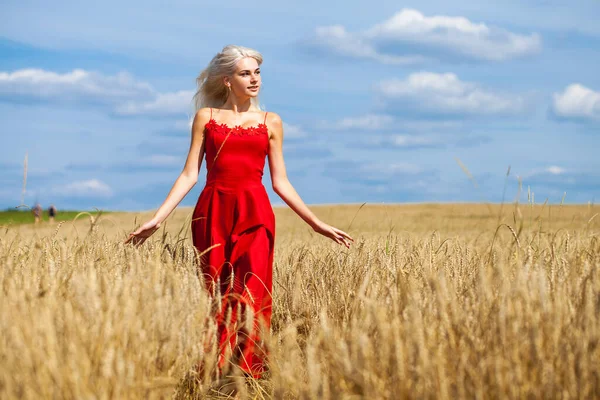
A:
(143, 232)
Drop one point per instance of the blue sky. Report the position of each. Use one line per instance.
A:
(378, 102)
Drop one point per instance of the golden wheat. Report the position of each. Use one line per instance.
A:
(432, 301)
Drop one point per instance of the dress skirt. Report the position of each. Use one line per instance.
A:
(237, 219)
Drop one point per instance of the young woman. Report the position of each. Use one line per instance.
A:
(233, 225)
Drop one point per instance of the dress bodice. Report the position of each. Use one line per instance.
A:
(241, 158)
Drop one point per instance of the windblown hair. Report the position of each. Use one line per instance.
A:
(212, 92)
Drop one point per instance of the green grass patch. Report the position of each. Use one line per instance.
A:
(17, 217)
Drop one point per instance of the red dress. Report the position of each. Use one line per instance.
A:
(234, 212)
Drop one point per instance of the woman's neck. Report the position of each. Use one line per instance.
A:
(237, 107)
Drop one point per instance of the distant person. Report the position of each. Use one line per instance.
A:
(37, 213)
(51, 213)
(233, 217)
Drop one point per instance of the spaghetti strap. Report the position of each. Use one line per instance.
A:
(265, 121)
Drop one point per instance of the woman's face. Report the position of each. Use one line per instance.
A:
(246, 79)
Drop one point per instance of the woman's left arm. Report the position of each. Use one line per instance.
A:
(285, 190)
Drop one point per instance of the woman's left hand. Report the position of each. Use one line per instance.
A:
(334, 234)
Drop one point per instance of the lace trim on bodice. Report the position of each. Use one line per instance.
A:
(237, 130)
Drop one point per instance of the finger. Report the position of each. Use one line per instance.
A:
(341, 240)
(341, 232)
(347, 236)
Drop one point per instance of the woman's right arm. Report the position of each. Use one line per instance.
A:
(184, 183)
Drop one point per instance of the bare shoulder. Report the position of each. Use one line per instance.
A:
(275, 125)
(273, 118)
(203, 114)
(201, 118)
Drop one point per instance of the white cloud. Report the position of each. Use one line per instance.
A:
(152, 161)
(367, 122)
(122, 91)
(184, 124)
(387, 170)
(344, 43)
(406, 140)
(436, 37)
(577, 101)
(79, 85)
(410, 141)
(380, 122)
(293, 131)
(395, 177)
(554, 170)
(163, 103)
(403, 141)
(447, 94)
(87, 188)
(554, 182)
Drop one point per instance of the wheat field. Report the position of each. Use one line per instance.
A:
(436, 301)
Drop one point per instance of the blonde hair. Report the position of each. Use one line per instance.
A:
(211, 91)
